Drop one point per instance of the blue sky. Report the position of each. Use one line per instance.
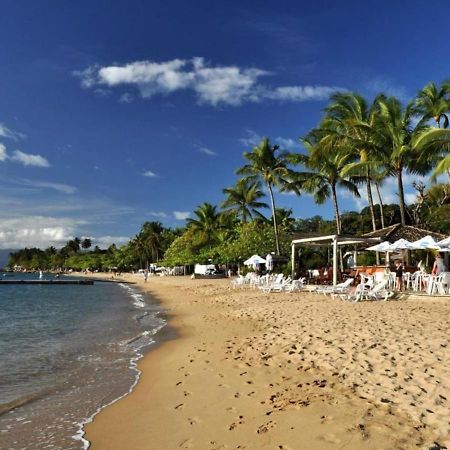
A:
(113, 113)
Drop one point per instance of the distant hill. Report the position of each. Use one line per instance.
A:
(4, 256)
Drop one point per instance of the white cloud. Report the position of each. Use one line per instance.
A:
(6, 132)
(3, 154)
(29, 160)
(149, 174)
(181, 215)
(60, 187)
(126, 98)
(36, 231)
(386, 86)
(161, 215)
(301, 93)
(207, 151)
(106, 241)
(251, 139)
(286, 143)
(213, 85)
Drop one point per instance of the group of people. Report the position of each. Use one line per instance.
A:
(438, 268)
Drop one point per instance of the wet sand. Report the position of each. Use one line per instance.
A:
(286, 371)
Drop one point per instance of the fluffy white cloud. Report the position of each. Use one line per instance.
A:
(207, 151)
(214, 85)
(28, 159)
(6, 132)
(36, 231)
(149, 174)
(181, 215)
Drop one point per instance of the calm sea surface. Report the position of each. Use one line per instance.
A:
(65, 352)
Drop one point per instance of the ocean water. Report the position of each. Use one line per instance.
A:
(66, 352)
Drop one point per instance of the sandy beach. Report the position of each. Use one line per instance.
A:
(286, 371)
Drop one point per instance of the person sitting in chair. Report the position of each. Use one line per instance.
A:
(438, 266)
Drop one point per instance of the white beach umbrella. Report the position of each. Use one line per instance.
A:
(401, 244)
(425, 243)
(381, 247)
(255, 259)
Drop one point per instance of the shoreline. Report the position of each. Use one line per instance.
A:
(161, 336)
(228, 381)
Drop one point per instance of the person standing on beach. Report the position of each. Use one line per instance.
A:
(399, 275)
(145, 276)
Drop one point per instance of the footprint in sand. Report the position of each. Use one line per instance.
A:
(231, 409)
(193, 420)
(187, 393)
(331, 438)
(264, 428)
(180, 383)
(180, 406)
(186, 443)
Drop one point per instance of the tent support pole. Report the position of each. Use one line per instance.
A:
(293, 260)
(335, 260)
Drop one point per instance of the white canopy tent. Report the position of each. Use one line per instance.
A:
(381, 247)
(255, 259)
(426, 243)
(335, 241)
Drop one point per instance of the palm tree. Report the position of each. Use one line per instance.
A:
(433, 145)
(86, 243)
(349, 121)
(243, 199)
(206, 223)
(151, 235)
(397, 136)
(324, 174)
(139, 249)
(433, 102)
(266, 165)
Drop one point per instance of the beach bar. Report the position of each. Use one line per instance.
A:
(335, 241)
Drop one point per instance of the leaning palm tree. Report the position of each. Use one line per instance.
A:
(324, 175)
(243, 199)
(433, 102)
(266, 165)
(206, 224)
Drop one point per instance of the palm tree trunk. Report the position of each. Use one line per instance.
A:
(336, 209)
(401, 195)
(275, 227)
(370, 199)
(377, 185)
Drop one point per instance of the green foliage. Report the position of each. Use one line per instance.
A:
(253, 238)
